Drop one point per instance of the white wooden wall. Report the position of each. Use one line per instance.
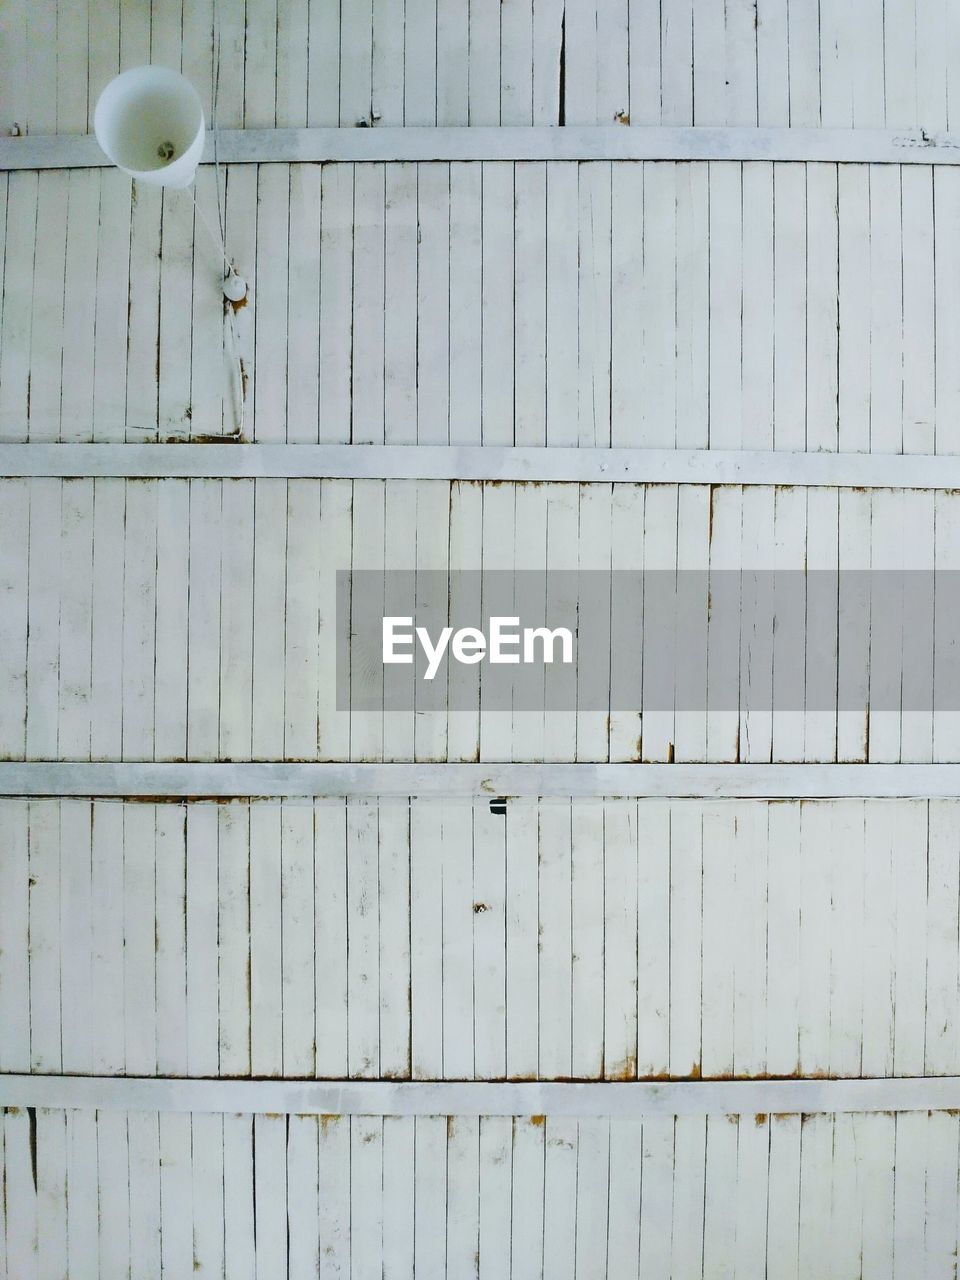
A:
(426, 939)
(178, 944)
(694, 305)
(195, 619)
(250, 1196)
(862, 63)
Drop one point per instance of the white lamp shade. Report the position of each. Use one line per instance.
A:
(149, 122)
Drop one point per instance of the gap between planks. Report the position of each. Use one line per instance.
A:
(661, 781)
(482, 462)
(652, 142)
(483, 1098)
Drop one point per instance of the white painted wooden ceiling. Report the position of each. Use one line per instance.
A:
(161, 939)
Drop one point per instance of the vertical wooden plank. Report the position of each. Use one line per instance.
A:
(689, 1177)
(356, 37)
(792, 326)
(621, 940)
(297, 907)
(363, 932)
(270, 511)
(497, 322)
(759, 312)
(107, 967)
(368, 407)
(207, 1192)
(686, 943)
(399, 1195)
(426, 938)
(816, 855)
(172, 618)
(43, 620)
(336, 536)
(334, 1184)
(51, 1192)
(270, 1194)
(366, 1197)
(400, 303)
(176, 1194)
(465, 317)
(203, 676)
(18, 271)
(527, 1203)
(853, 405)
(522, 944)
(76, 936)
(233, 918)
(44, 949)
(388, 61)
(783, 1197)
(20, 1194)
(464, 1196)
(174, 337)
(433, 304)
(143, 1132)
(301, 667)
(139, 619)
(139, 945)
(79, 304)
(555, 940)
(46, 332)
(886, 311)
(336, 267)
(236, 619)
(303, 306)
(420, 72)
(719, 906)
(562, 306)
(726, 266)
(14, 570)
(783, 931)
(303, 1195)
(593, 1195)
(595, 241)
(626, 290)
(171, 941)
(238, 1198)
(458, 1009)
(530, 302)
(495, 1196)
(270, 316)
(113, 1180)
(76, 623)
(489, 840)
(653, 934)
(942, 1036)
(656, 1194)
(14, 935)
(430, 1194)
(266, 961)
(201, 936)
(330, 901)
(393, 891)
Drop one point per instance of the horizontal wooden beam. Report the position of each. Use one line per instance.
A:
(613, 142)
(427, 1098)
(669, 781)
(488, 462)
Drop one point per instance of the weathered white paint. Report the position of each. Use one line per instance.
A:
(164, 1192)
(571, 143)
(671, 309)
(618, 1101)
(777, 781)
(487, 462)
(359, 919)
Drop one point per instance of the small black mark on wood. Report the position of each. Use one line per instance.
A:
(499, 806)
